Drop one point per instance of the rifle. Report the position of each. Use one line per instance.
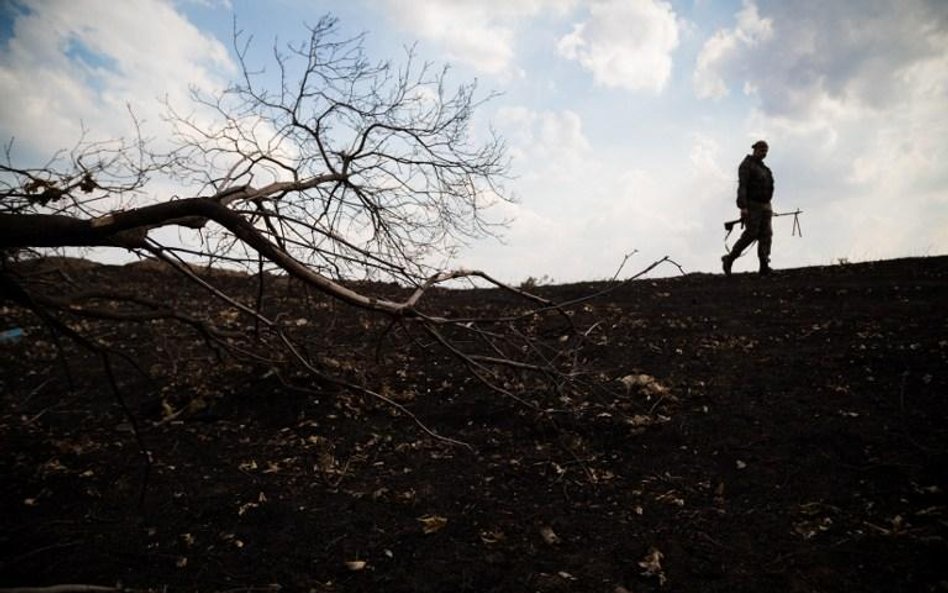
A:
(796, 231)
(729, 225)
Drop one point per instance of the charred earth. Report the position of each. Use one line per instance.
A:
(737, 434)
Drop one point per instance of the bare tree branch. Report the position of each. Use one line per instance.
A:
(345, 170)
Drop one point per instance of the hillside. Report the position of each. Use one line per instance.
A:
(791, 434)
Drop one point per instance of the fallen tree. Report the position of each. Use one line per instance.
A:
(344, 169)
(341, 169)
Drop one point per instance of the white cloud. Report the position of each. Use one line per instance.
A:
(482, 33)
(852, 95)
(583, 207)
(704, 157)
(725, 46)
(70, 65)
(225, 4)
(625, 43)
(546, 144)
(800, 57)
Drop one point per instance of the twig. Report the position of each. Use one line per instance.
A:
(35, 390)
(660, 399)
(358, 388)
(63, 589)
(133, 421)
(476, 368)
(19, 294)
(37, 416)
(31, 553)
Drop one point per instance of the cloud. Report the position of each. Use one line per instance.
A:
(552, 158)
(582, 207)
(546, 144)
(725, 46)
(852, 95)
(74, 65)
(481, 33)
(626, 44)
(213, 4)
(803, 56)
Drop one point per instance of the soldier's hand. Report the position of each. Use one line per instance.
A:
(743, 212)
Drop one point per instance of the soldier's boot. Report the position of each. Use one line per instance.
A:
(726, 263)
(765, 268)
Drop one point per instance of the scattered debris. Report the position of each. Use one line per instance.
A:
(432, 523)
(652, 565)
(549, 536)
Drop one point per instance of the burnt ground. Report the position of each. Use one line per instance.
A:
(793, 439)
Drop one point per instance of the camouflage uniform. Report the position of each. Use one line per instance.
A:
(754, 192)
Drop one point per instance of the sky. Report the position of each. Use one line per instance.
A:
(626, 120)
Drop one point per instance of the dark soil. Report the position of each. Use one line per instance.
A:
(800, 447)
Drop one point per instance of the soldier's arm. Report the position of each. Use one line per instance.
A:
(743, 176)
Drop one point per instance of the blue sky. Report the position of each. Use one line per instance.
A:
(626, 119)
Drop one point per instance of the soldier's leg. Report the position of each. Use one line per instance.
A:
(751, 232)
(764, 240)
(751, 229)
